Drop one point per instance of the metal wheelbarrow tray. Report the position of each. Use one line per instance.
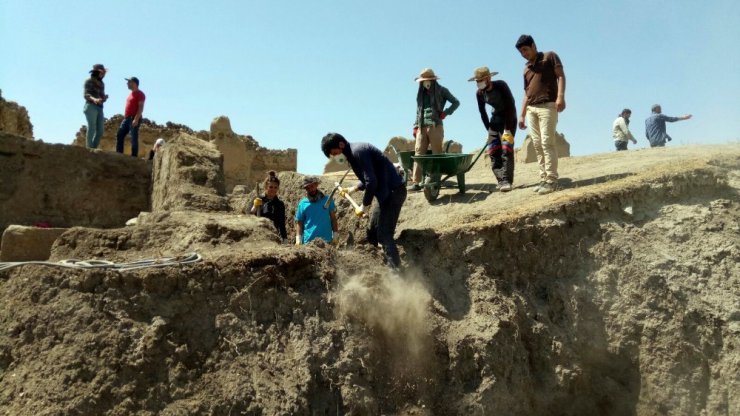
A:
(438, 168)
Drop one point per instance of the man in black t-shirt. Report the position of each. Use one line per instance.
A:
(501, 126)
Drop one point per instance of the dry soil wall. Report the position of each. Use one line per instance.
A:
(66, 186)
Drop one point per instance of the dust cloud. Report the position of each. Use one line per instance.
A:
(394, 308)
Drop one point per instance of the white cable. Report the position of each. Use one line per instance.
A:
(104, 264)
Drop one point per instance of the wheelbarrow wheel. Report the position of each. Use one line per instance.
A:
(431, 190)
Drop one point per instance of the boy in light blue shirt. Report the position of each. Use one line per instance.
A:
(312, 220)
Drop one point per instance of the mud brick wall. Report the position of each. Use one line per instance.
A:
(67, 186)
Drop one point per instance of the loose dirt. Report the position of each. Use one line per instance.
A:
(619, 294)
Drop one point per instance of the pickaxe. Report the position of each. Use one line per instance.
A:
(345, 194)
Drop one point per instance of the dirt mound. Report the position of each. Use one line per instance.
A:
(167, 234)
(618, 294)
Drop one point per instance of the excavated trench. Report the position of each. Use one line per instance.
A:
(600, 306)
(621, 302)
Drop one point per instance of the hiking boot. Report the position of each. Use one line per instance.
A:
(504, 187)
(414, 187)
(546, 188)
(539, 185)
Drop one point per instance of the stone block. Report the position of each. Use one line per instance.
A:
(21, 243)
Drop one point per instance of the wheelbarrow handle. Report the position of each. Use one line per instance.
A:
(483, 149)
(396, 152)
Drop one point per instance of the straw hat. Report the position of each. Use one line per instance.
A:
(482, 73)
(427, 74)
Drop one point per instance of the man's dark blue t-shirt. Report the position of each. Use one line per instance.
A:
(378, 177)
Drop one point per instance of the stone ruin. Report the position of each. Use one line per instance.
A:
(14, 119)
(527, 154)
(245, 161)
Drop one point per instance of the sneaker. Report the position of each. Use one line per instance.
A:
(504, 187)
(546, 188)
(539, 185)
(414, 187)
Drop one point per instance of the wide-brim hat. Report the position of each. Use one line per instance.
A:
(308, 180)
(99, 67)
(427, 74)
(482, 73)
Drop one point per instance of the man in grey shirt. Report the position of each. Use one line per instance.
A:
(655, 126)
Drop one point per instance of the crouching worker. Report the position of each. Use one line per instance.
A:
(156, 148)
(270, 206)
(311, 219)
(380, 180)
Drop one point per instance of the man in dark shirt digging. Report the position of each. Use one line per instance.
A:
(380, 180)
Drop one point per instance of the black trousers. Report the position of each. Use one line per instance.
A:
(502, 155)
(382, 225)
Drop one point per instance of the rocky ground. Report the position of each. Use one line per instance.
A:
(618, 295)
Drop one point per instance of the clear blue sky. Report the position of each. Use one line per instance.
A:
(289, 72)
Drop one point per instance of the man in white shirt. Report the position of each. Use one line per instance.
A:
(621, 131)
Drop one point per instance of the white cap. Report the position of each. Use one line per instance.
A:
(159, 142)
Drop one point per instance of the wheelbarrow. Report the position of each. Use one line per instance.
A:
(438, 168)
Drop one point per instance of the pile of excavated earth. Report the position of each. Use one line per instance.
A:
(617, 295)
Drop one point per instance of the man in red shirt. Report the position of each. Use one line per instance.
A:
(131, 117)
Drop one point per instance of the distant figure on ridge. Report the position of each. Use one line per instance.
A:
(270, 206)
(131, 117)
(94, 93)
(655, 126)
(621, 131)
(431, 98)
(156, 148)
(544, 98)
(501, 126)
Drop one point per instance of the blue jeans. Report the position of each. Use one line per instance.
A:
(95, 120)
(383, 222)
(126, 126)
